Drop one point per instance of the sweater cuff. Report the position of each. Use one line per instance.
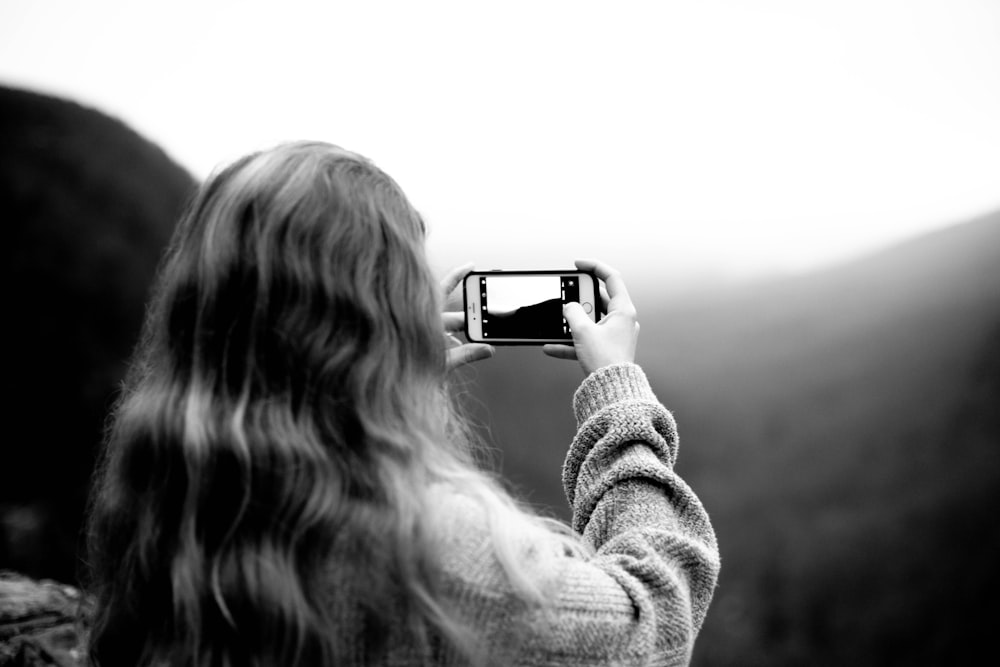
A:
(609, 385)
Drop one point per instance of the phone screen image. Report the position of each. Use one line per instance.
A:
(527, 306)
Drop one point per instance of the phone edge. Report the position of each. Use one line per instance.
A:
(598, 305)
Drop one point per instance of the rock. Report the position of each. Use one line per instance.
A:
(42, 622)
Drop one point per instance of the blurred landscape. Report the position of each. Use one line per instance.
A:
(841, 427)
(843, 430)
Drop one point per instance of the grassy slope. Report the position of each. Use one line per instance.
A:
(842, 430)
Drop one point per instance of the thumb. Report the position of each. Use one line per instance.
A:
(575, 316)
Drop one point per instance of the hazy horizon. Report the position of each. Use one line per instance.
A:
(650, 278)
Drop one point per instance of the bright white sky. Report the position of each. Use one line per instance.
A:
(508, 293)
(728, 137)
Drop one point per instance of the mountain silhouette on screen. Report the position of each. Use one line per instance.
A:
(539, 320)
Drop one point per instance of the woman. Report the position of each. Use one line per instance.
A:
(285, 483)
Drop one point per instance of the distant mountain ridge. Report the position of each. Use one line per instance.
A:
(843, 417)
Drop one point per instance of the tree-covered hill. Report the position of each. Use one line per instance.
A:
(86, 207)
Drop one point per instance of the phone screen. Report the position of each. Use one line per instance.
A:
(527, 306)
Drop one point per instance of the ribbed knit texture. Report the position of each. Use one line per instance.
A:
(642, 597)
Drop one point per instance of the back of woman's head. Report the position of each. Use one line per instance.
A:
(293, 266)
(285, 403)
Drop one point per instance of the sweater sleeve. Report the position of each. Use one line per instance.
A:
(650, 534)
(640, 594)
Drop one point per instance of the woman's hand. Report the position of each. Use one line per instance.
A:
(610, 341)
(459, 353)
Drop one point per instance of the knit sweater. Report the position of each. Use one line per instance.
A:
(642, 595)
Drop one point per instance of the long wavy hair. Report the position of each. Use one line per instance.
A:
(268, 468)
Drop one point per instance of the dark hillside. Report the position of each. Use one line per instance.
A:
(87, 206)
(842, 429)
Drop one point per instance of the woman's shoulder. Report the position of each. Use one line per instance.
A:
(461, 520)
(476, 531)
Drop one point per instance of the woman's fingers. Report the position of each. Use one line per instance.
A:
(452, 279)
(560, 351)
(613, 340)
(468, 353)
(453, 321)
(459, 353)
(620, 299)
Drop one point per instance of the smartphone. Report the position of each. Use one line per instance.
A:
(525, 307)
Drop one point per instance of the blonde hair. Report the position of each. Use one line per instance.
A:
(288, 398)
